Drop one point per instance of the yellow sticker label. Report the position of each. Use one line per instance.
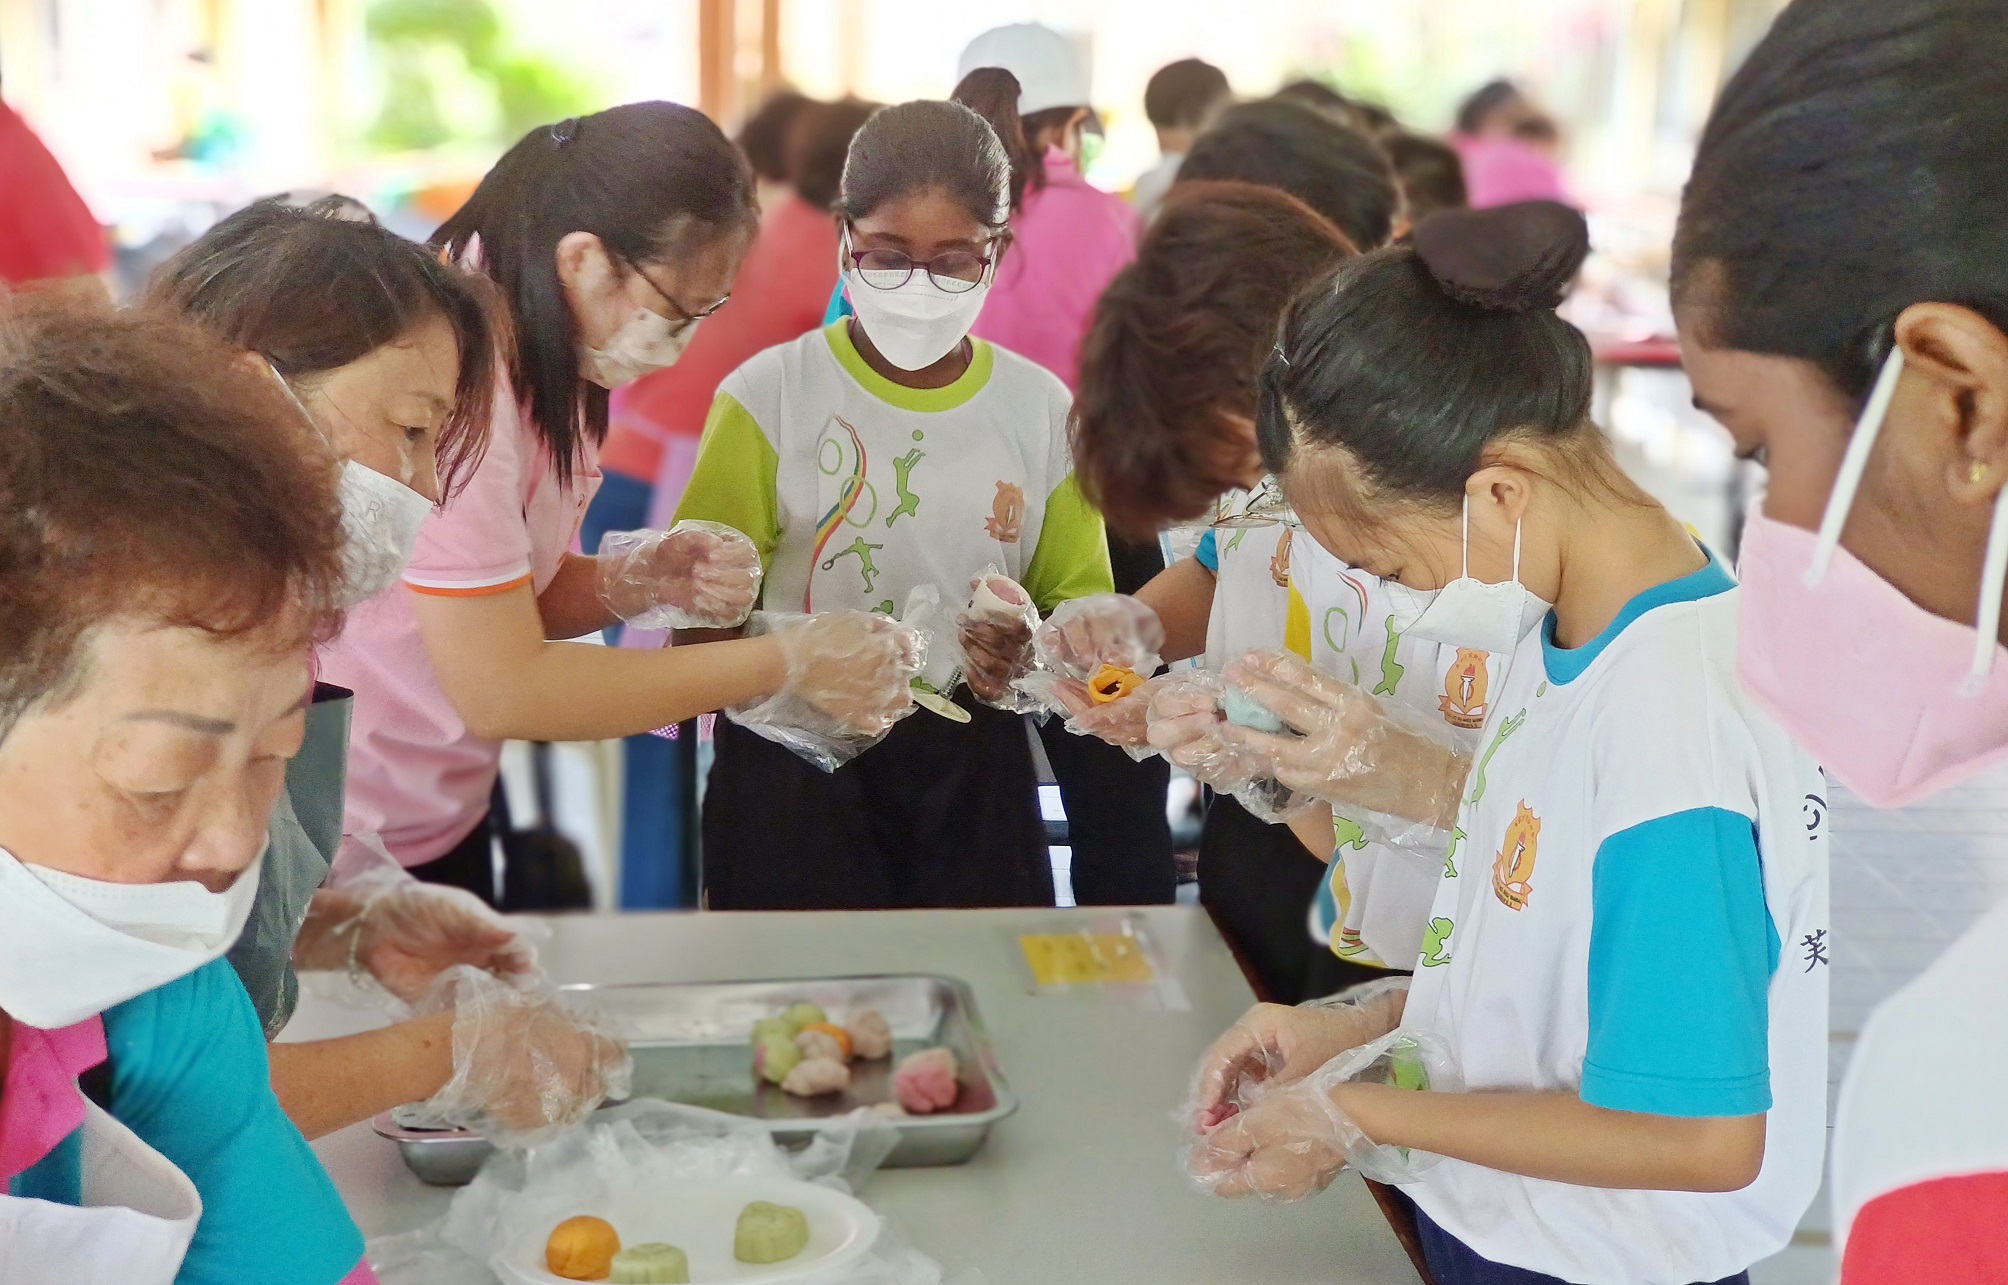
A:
(1083, 959)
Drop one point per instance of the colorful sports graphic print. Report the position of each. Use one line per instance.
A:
(849, 492)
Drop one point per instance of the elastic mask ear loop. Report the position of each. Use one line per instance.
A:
(1853, 465)
(1517, 523)
(1991, 572)
(1465, 574)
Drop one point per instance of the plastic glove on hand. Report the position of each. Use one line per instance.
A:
(1343, 745)
(408, 936)
(1270, 1047)
(1287, 1146)
(999, 651)
(1185, 724)
(523, 1060)
(696, 575)
(853, 668)
(1110, 630)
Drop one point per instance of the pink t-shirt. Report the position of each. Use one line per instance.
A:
(417, 777)
(1071, 238)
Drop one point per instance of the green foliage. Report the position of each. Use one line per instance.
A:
(450, 76)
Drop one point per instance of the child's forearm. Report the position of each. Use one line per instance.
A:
(1559, 1137)
(1182, 597)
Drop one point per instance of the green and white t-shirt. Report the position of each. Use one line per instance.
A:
(857, 489)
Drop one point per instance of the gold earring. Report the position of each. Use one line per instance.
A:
(1976, 473)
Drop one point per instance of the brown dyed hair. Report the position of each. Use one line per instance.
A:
(1177, 343)
(147, 472)
(313, 288)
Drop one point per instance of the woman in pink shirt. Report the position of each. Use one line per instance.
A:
(609, 238)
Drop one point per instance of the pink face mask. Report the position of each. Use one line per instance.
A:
(1893, 700)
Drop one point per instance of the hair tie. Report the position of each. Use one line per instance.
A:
(565, 130)
(1278, 353)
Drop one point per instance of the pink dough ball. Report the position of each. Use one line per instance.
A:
(925, 1082)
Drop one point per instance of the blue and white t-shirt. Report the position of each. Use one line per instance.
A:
(1635, 911)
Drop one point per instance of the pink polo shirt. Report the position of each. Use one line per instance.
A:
(1070, 240)
(417, 776)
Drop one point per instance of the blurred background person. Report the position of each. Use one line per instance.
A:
(1179, 100)
(1509, 146)
(764, 138)
(1327, 164)
(1430, 172)
(46, 230)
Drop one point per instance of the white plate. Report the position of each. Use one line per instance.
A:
(700, 1218)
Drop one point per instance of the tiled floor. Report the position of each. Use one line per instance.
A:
(1905, 884)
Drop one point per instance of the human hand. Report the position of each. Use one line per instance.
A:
(696, 575)
(999, 650)
(852, 668)
(1111, 629)
(1184, 723)
(524, 1061)
(1272, 1046)
(1342, 745)
(406, 935)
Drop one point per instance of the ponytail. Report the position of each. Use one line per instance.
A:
(992, 93)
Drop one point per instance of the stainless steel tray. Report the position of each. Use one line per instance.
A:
(692, 1044)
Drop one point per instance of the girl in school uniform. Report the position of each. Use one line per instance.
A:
(609, 237)
(886, 452)
(1615, 958)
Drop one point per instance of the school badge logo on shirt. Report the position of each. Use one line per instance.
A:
(1007, 514)
(1513, 867)
(1464, 689)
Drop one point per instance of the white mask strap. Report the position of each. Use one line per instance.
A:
(1986, 641)
(294, 398)
(1853, 465)
(1466, 573)
(1517, 524)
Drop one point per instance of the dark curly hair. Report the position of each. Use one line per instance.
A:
(1177, 341)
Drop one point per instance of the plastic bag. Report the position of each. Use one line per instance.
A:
(995, 629)
(1286, 1143)
(518, 1197)
(850, 678)
(696, 575)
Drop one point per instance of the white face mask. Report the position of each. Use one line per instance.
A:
(381, 517)
(1483, 617)
(71, 948)
(380, 520)
(916, 324)
(645, 343)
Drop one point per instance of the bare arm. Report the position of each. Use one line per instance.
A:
(508, 681)
(570, 605)
(325, 1085)
(1182, 597)
(1561, 1138)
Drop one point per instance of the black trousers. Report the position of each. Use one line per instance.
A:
(1116, 822)
(469, 864)
(937, 814)
(1452, 1262)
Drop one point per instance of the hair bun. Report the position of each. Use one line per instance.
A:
(1512, 258)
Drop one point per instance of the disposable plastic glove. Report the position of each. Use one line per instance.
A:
(1345, 747)
(995, 632)
(1184, 723)
(696, 575)
(1292, 1142)
(405, 933)
(1273, 1046)
(524, 1061)
(849, 680)
(1104, 629)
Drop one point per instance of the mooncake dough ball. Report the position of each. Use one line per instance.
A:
(840, 1039)
(772, 1026)
(774, 1057)
(770, 1233)
(652, 1264)
(1244, 710)
(816, 1076)
(925, 1082)
(582, 1249)
(801, 1016)
(871, 1037)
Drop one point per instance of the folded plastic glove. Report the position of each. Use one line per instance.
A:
(849, 680)
(696, 575)
(526, 1059)
(1293, 1142)
(1102, 631)
(994, 630)
(405, 933)
(1343, 746)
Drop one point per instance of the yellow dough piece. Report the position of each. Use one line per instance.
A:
(582, 1249)
(1111, 684)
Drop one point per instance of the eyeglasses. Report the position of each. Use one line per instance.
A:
(957, 272)
(684, 318)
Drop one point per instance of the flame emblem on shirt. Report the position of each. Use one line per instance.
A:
(1513, 867)
(1463, 699)
(1279, 561)
(1007, 514)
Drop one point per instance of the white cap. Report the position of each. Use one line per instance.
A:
(1051, 69)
